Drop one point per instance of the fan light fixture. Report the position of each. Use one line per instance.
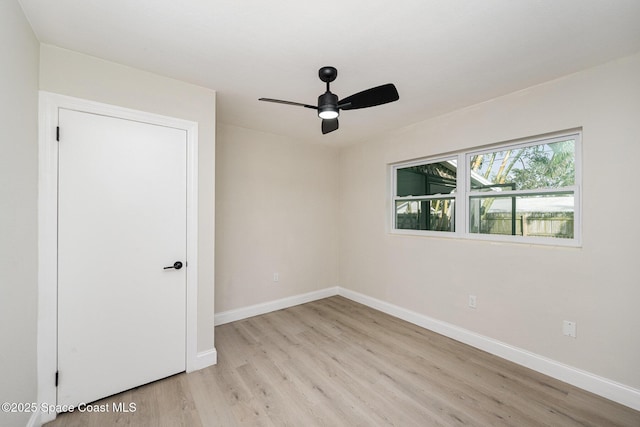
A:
(328, 106)
(328, 114)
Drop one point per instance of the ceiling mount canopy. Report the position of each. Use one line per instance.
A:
(329, 105)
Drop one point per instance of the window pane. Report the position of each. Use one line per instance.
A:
(427, 179)
(532, 215)
(528, 168)
(433, 214)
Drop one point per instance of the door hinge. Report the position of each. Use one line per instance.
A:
(57, 133)
(57, 378)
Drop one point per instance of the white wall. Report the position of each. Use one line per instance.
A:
(18, 210)
(276, 207)
(74, 74)
(524, 292)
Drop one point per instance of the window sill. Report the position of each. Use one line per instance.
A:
(492, 238)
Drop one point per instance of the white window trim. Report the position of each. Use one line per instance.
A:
(462, 198)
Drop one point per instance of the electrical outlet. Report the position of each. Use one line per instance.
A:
(569, 328)
(276, 277)
(472, 301)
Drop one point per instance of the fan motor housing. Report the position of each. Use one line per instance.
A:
(328, 105)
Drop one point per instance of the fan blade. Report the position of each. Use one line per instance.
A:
(279, 101)
(329, 125)
(370, 97)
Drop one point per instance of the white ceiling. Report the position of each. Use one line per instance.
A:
(440, 54)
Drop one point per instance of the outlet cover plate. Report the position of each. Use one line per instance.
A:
(569, 328)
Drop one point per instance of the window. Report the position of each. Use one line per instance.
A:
(525, 191)
(425, 196)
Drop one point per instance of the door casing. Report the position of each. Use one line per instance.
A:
(49, 105)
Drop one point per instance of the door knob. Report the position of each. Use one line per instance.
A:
(177, 265)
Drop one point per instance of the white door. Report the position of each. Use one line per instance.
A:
(121, 220)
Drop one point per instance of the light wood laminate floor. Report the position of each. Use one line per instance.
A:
(334, 362)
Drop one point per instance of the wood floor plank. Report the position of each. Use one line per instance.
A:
(334, 362)
(206, 392)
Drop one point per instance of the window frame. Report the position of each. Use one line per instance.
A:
(464, 193)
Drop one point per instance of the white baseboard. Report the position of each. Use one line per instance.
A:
(604, 387)
(268, 307)
(204, 359)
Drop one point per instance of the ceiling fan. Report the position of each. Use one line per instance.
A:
(329, 106)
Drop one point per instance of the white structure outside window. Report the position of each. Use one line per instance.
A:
(525, 191)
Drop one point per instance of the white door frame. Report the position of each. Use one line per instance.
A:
(49, 106)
